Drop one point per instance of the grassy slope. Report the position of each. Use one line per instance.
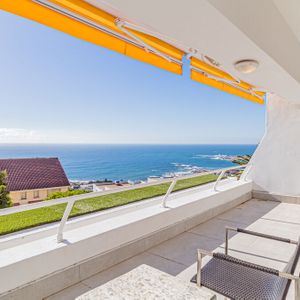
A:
(22, 220)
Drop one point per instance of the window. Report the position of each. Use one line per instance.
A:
(36, 194)
(23, 195)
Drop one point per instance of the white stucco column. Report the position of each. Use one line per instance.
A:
(276, 162)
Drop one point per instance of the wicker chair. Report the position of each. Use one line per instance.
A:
(238, 279)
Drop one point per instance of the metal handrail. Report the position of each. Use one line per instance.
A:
(221, 171)
(224, 171)
(164, 201)
(25, 207)
(72, 199)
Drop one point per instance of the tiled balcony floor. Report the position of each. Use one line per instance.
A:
(177, 256)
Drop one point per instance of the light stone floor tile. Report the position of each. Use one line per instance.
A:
(262, 206)
(261, 251)
(258, 258)
(285, 213)
(183, 248)
(242, 215)
(70, 293)
(215, 228)
(277, 228)
(154, 261)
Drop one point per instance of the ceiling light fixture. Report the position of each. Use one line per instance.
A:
(246, 66)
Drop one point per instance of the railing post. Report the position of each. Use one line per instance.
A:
(172, 185)
(246, 172)
(64, 220)
(218, 179)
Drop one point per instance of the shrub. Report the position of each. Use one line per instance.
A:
(5, 200)
(57, 195)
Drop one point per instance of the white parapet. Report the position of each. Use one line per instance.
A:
(27, 263)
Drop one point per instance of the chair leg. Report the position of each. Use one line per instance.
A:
(297, 289)
(199, 265)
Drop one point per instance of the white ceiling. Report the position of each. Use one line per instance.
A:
(290, 10)
(228, 30)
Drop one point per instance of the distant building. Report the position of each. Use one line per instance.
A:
(33, 179)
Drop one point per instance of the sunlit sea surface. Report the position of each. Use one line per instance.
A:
(130, 162)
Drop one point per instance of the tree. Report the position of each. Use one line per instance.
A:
(5, 200)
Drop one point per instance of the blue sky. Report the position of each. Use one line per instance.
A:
(58, 89)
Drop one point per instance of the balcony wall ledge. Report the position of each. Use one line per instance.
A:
(41, 267)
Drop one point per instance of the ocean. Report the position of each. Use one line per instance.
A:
(129, 162)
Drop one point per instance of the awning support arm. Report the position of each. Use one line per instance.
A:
(121, 25)
(132, 38)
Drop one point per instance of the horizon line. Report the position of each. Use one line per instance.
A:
(134, 144)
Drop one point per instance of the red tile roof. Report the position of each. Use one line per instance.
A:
(33, 173)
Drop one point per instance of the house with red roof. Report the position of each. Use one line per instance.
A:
(33, 179)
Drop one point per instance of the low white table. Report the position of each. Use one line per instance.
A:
(147, 283)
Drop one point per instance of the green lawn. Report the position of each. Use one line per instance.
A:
(22, 220)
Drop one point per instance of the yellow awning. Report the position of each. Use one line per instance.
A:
(114, 38)
(207, 74)
(82, 20)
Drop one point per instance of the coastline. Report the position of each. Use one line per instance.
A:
(107, 184)
(132, 163)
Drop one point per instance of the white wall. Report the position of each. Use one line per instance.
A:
(276, 162)
(36, 259)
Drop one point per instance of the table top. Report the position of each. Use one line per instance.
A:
(145, 282)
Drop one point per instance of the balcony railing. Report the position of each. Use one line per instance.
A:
(221, 172)
(71, 200)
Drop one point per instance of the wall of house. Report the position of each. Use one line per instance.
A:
(31, 195)
(275, 163)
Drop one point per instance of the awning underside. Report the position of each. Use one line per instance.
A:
(84, 21)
